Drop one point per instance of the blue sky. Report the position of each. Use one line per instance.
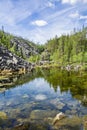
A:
(40, 20)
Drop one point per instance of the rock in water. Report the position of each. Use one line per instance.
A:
(3, 115)
(2, 90)
(58, 117)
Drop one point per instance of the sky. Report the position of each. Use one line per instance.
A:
(40, 20)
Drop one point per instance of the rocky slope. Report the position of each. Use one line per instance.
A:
(15, 53)
(11, 62)
(17, 45)
(24, 48)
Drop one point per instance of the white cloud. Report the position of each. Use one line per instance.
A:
(39, 23)
(77, 15)
(83, 17)
(50, 4)
(62, 13)
(73, 1)
(74, 15)
(57, 25)
(69, 1)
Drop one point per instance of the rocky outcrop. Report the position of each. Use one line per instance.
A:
(23, 46)
(11, 62)
(73, 67)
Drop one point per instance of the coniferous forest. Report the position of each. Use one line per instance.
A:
(70, 48)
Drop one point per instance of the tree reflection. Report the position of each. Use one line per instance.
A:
(75, 82)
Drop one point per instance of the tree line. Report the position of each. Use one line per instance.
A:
(67, 48)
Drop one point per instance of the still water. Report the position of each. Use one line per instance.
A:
(41, 95)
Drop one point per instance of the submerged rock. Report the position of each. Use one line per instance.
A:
(74, 123)
(3, 115)
(25, 96)
(42, 114)
(57, 103)
(8, 103)
(21, 127)
(85, 122)
(58, 117)
(32, 126)
(2, 90)
(60, 105)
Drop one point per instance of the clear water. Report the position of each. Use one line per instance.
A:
(42, 94)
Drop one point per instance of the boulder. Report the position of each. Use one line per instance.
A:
(72, 123)
(3, 115)
(2, 90)
(58, 117)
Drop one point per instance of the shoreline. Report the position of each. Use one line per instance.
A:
(68, 67)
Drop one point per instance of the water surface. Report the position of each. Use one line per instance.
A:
(42, 94)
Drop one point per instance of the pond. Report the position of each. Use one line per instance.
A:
(40, 95)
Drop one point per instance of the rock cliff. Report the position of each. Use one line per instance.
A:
(23, 47)
(11, 62)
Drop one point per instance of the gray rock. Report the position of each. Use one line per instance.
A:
(60, 105)
(11, 62)
(57, 103)
(42, 114)
(23, 46)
